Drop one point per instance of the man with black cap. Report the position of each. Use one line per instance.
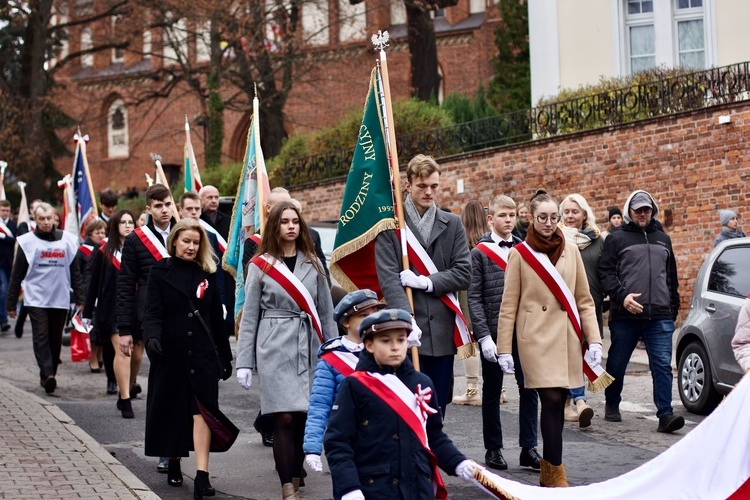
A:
(385, 437)
(638, 271)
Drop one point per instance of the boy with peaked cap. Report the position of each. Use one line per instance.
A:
(385, 438)
(337, 359)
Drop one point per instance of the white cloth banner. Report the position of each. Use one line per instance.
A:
(711, 462)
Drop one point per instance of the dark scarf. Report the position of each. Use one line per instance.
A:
(552, 247)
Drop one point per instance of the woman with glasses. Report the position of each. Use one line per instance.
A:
(539, 271)
(102, 295)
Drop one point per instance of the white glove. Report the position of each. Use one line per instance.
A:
(313, 461)
(465, 470)
(413, 340)
(353, 495)
(408, 278)
(489, 349)
(506, 363)
(594, 354)
(224, 310)
(245, 377)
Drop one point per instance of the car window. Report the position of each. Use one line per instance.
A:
(730, 273)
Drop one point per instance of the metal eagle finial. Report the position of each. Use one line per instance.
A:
(380, 41)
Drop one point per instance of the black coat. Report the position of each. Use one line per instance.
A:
(102, 293)
(7, 247)
(187, 368)
(369, 447)
(131, 283)
(84, 262)
(221, 225)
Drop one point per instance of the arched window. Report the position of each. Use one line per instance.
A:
(87, 43)
(117, 129)
(118, 54)
(353, 21)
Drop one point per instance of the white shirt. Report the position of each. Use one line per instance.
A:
(504, 251)
(163, 232)
(351, 346)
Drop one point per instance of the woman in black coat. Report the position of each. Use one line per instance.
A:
(101, 296)
(187, 360)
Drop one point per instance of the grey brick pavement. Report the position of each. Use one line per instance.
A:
(43, 454)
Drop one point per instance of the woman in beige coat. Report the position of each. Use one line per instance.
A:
(548, 345)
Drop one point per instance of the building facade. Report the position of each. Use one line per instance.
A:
(100, 90)
(576, 42)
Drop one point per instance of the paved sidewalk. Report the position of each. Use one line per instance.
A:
(44, 454)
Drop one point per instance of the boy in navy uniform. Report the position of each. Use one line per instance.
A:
(385, 438)
(337, 359)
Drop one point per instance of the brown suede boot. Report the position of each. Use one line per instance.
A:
(552, 476)
(288, 493)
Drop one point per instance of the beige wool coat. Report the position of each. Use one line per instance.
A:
(548, 346)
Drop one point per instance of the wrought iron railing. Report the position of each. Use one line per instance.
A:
(656, 98)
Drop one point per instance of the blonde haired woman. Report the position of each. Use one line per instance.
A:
(184, 331)
(578, 225)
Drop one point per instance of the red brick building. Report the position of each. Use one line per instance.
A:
(98, 89)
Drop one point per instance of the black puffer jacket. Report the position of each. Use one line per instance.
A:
(370, 448)
(486, 291)
(131, 283)
(640, 261)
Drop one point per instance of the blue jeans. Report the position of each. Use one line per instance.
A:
(577, 394)
(657, 335)
(4, 281)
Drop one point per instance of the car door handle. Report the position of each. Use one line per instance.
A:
(710, 308)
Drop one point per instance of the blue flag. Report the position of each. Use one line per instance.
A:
(252, 191)
(82, 186)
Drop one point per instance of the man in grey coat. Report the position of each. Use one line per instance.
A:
(443, 237)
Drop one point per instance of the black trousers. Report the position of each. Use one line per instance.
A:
(47, 330)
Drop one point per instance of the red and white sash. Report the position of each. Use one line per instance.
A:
(423, 264)
(493, 253)
(86, 249)
(551, 277)
(6, 231)
(116, 259)
(412, 408)
(343, 362)
(294, 287)
(256, 238)
(209, 228)
(151, 242)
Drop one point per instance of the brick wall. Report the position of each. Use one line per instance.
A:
(693, 167)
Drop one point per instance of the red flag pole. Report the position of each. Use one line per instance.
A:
(381, 41)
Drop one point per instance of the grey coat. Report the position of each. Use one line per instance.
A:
(278, 338)
(449, 251)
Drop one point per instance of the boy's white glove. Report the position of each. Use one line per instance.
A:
(489, 349)
(413, 340)
(245, 377)
(313, 461)
(408, 278)
(465, 470)
(506, 363)
(594, 355)
(353, 495)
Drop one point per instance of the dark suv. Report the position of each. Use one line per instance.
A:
(706, 368)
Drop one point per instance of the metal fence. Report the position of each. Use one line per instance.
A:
(656, 98)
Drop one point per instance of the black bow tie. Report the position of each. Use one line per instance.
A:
(503, 243)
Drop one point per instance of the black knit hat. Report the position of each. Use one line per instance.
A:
(614, 211)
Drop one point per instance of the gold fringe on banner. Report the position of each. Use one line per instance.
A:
(467, 351)
(353, 246)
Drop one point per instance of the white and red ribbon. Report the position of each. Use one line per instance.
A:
(5, 230)
(551, 277)
(86, 250)
(342, 362)
(493, 253)
(209, 228)
(293, 286)
(116, 259)
(151, 242)
(422, 262)
(201, 290)
(393, 392)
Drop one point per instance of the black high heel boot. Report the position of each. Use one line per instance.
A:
(174, 474)
(203, 488)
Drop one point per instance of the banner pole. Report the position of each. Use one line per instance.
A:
(89, 180)
(381, 41)
(256, 126)
(160, 171)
